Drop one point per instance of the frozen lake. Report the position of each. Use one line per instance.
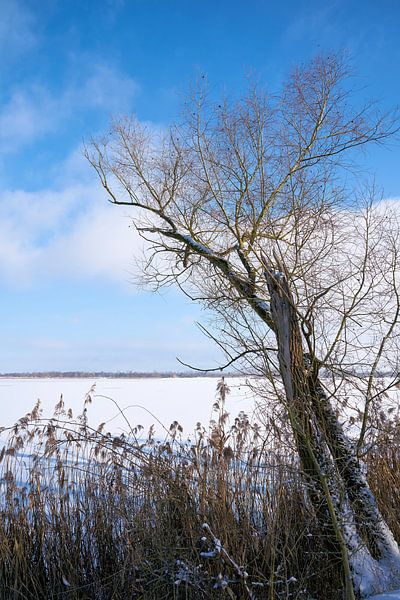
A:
(157, 401)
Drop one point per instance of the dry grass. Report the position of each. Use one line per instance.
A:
(88, 515)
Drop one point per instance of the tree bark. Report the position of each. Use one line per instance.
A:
(338, 488)
(370, 524)
(313, 451)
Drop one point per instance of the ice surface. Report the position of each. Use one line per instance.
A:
(147, 401)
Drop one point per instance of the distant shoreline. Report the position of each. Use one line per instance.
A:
(142, 375)
(114, 375)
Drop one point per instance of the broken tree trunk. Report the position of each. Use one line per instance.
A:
(315, 461)
(338, 488)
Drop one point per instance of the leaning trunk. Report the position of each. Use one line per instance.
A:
(371, 526)
(314, 455)
(357, 530)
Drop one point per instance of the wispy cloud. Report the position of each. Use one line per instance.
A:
(29, 113)
(68, 232)
(105, 88)
(311, 21)
(100, 244)
(17, 29)
(32, 111)
(327, 26)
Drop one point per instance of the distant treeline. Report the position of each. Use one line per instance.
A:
(153, 374)
(113, 375)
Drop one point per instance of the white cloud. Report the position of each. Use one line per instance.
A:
(69, 231)
(107, 89)
(32, 111)
(28, 115)
(100, 244)
(64, 234)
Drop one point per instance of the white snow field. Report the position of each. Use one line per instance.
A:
(155, 401)
(395, 595)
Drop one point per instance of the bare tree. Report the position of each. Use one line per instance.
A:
(250, 208)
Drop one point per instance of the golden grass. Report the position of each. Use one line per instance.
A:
(87, 515)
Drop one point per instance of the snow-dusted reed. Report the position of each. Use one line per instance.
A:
(223, 514)
(142, 516)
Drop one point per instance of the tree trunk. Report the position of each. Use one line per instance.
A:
(313, 452)
(339, 491)
(371, 526)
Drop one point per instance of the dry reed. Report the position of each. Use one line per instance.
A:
(85, 514)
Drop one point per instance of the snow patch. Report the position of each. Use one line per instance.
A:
(395, 595)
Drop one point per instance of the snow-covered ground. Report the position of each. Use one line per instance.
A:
(146, 402)
(395, 595)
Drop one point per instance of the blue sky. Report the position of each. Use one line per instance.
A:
(66, 256)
